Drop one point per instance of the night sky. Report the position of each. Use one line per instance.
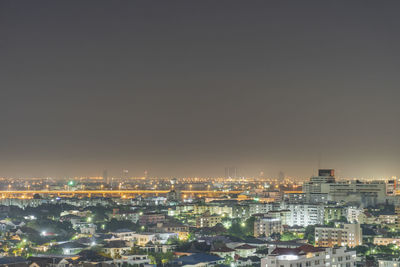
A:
(186, 88)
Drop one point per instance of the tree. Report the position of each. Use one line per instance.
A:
(241, 228)
(160, 258)
(275, 236)
(228, 260)
(309, 234)
(114, 225)
(288, 236)
(249, 226)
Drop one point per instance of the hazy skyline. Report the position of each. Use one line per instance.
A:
(187, 88)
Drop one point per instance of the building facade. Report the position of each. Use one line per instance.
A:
(344, 235)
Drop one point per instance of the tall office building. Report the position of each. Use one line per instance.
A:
(326, 172)
(231, 172)
(281, 176)
(125, 174)
(325, 176)
(105, 176)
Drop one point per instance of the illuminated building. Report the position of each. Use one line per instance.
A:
(389, 263)
(305, 214)
(344, 235)
(231, 172)
(151, 218)
(265, 226)
(208, 220)
(367, 193)
(307, 255)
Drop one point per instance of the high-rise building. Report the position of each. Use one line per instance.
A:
(326, 172)
(367, 193)
(325, 176)
(231, 172)
(105, 176)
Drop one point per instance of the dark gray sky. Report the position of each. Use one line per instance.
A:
(190, 87)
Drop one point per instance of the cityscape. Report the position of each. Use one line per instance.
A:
(199, 133)
(232, 220)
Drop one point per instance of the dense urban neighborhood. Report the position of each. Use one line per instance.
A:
(274, 223)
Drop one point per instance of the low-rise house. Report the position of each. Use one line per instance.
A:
(116, 248)
(70, 248)
(124, 234)
(156, 247)
(14, 262)
(3, 226)
(73, 219)
(142, 239)
(224, 252)
(245, 250)
(249, 261)
(88, 228)
(12, 224)
(49, 261)
(133, 260)
(198, 260)
(162, 238)
(172, 227)
(92, 258)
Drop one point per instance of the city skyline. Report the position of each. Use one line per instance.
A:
(199, 133)
(187, 90)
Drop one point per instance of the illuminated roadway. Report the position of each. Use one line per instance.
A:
(104, 193)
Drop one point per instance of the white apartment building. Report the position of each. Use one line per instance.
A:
(265, 226)
(309, 256)
(213, 209)
(305, 214)
(344, 235)
(352, 214)
(389, 263)
(259, 208)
